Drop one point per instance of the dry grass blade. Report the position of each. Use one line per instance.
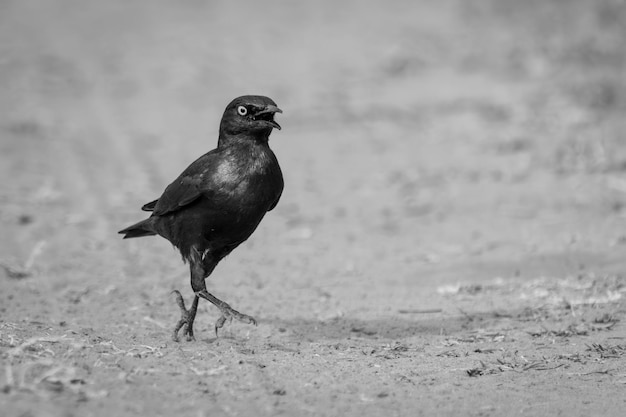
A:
(607, 351)
(208, 372)
(540, 366)
(25, 271)
(418, 311)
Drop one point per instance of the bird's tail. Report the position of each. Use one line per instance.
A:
(143, 228)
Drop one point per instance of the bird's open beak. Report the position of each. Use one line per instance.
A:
(267, 114)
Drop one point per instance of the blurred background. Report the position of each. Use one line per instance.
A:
(423, 142)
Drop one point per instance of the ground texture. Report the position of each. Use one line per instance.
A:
(450, 240)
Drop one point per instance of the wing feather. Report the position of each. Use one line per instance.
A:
(149, 206)
(186, 189)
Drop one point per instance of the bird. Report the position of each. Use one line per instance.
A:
(218, 201)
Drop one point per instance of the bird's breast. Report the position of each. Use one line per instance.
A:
(248, 183)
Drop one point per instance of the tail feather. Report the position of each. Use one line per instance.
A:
(143, 228)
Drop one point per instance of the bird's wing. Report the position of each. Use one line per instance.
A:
(178, 194)
(186, 189)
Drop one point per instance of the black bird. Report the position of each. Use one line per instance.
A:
(218, 201)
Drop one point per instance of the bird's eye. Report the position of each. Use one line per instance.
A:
(242, 110)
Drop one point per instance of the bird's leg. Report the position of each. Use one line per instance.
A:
(228, 313)
(201, 267)
(186, 317)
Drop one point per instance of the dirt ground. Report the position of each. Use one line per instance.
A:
(450, 239)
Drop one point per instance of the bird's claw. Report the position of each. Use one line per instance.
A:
(219, 324)
(186, 319)
(230, 314)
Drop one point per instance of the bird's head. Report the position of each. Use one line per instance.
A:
(251, 116)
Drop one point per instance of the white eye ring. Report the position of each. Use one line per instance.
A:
(242, 110)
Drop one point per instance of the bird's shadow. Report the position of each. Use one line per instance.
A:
(286, 334)
(386, 328)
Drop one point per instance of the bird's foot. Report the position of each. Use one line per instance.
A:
(186, 317)
(228, 313)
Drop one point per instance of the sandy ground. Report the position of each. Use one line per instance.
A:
(450, 240)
